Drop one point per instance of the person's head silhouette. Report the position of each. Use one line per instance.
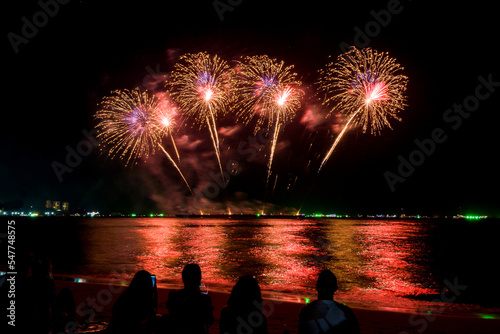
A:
(135, 309)
(142, 282)
(245, 294)
(191, 276)
(326, 285)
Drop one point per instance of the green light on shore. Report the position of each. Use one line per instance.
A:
(258, 215)
(133, 215)
(150, 215)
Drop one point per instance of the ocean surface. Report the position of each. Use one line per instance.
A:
(444, 266)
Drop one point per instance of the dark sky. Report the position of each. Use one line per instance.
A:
(86, 49)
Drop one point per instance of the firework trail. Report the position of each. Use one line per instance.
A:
(201, 87)
(166, 114)
(132, 124)
(269, 91)
(176, 167)
(366, 87)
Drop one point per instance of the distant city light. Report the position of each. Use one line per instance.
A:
(260, 214)
(476, 217)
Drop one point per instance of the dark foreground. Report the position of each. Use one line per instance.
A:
(283, 315)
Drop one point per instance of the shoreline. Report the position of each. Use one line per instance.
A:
(244, 216)
(359, 299)
(97, 300)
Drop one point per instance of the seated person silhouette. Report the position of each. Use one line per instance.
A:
(243, 313)
(35, 294)
(135, 309)
(64, 312)
(41, 293)
(325, 315)
(190, 311)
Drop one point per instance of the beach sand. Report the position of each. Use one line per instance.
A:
(283, 315)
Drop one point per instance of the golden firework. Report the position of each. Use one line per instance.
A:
(132, 124)
(270, 91)
(366, 87)
(201, 86)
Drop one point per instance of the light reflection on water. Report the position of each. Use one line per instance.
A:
(395, 257)
(374, 260)
(392, 264)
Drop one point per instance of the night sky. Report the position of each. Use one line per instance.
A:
(59, 74)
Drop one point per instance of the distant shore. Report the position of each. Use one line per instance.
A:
(98, 299)
(256, 216)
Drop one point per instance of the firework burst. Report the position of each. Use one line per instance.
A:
(126, 126)
(269, 91)
(366, 87)
(201, 87)
(132, 125)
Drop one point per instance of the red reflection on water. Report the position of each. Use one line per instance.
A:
(376, 262)
(171, 244)
(274, 251)
(287, 256)
(393, 261)
(202, 243)
(160, 251)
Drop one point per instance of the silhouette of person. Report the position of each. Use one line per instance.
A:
(325, 315)
(190, 311)
(36, 296)
(64, 311)
(243, 313)
(135, 309)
